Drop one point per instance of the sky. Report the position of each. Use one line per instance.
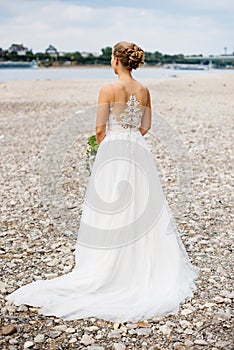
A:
(168, 26)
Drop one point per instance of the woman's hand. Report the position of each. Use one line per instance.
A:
(100, 133)
(142, 131)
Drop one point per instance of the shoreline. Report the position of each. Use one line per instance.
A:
(109, 67)
(97, 66)
(33, 75)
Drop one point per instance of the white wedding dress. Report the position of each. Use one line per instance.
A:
(131, 264)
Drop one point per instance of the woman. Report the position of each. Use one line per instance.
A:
(130, 262)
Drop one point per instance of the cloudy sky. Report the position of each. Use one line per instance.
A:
(168, 26)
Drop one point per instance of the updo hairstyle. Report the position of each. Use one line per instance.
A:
(129, 54)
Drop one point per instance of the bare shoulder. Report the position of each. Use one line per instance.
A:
(143, 94)
(106, 93)
(144, 88)
(146, 92)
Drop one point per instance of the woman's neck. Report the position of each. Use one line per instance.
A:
(125, 75)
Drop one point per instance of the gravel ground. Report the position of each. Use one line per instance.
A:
(191, 140)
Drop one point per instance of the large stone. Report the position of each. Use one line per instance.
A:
(61, 328)
(28, 344)
(73, 340)
(9, 329)
(91, 328)
(114, 334)
(186, 312)
(87, 339)
(143, 324)
(200, 342)
(54, 334)
(222, 343)
(2, 288)
(165, 330)
(184, 323)
(70, 330)
(39, 338)
(143, 331)
(119, 346)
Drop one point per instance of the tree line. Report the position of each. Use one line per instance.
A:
(76, 58)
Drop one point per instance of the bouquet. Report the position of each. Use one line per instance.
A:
(91, 152)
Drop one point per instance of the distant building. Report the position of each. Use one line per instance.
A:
(52, 51)
(85, 54)
(18, 48)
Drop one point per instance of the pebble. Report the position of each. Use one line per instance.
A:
(116, 325)
(114, 334)
(143, 324)
(131, 325)
(184, 323)
(40, 338)
(22, 308)
(70, 330)
(227, 294)
(119, 346)
(73, 340)
(200, 342)
(186, 312)
(222, 344)
(28, 344)
(91, 328)
(143, 331)
(54, 334)
(99, 336)
(199, 324)
(87, 340)
(218, 299)
(165, 330)
(2, 288)
(9, 329)
(188, 342)
(188, 331)
(61, 328)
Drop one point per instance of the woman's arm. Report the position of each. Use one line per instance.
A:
(102, 113)
(146, 119)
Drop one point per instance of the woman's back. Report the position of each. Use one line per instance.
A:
(122, 90)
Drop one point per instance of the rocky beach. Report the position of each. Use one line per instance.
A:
(44, 126)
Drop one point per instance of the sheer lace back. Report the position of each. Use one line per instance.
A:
(125, 116)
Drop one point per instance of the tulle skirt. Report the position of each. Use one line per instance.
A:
(130, 263)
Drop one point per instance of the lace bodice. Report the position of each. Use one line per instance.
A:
(121, 118)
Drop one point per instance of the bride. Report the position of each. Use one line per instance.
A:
(130, 263)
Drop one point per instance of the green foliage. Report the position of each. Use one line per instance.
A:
(76, 58)
(91, 151)
(105, 57)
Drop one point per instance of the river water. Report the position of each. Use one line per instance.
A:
(89, 73)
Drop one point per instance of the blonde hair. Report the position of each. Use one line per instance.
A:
(129, 54)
